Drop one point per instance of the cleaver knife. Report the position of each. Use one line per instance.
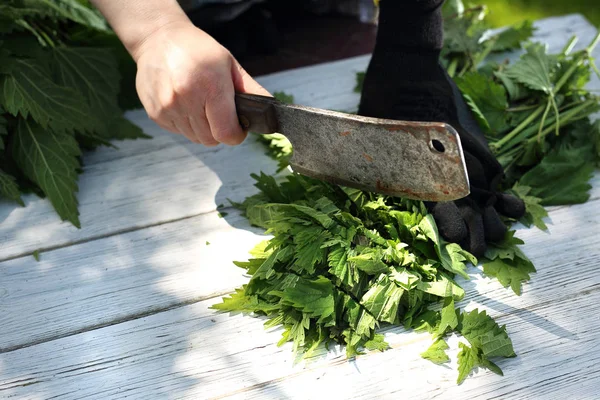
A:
(415, 160)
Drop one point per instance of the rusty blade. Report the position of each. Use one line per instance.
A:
(416, 160)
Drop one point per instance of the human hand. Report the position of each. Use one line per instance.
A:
(187, 81)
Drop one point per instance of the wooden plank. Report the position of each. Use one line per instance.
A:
(121, 277)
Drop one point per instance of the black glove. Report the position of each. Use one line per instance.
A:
(405, 81)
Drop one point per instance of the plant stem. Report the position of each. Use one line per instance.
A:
(519, 128)
(569, 46)
(486, 51)
(452, 67)
(522, 108)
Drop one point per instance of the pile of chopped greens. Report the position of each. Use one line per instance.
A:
(343, 262)
(60, 92)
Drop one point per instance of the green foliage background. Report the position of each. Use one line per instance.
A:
(507, 12)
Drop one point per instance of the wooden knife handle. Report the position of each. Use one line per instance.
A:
(257, 113)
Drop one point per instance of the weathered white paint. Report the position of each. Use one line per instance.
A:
(113, 315)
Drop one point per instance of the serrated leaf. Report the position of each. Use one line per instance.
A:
(436, 353)
(488, 96)
(50, 160)
(534, 69)
(484, 333)
(560, 178)
(382, 300)
(370, 262)
(534, 211)
(94, 72)
(239, 301)
(26, 89)
(313, 297)
(9, 189)
(467, 360)
(509, 272)
(68, 9)
(512, 37)
(449, 317)
(377, 343)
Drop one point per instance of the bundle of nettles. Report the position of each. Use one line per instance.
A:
(343, 262)
(60, 92)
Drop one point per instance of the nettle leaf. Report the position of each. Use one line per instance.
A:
(94, 72)
(509, 272)
(489, 96)
(240, 301)
(534, 69)
(313, 297)
(382, 300)
(560, 178)
(484, 333)
(467, 360)
(9, 189)
(50, 160)
(534, 210)
(449, 317)
(27, 90)
(512, 37)
(72, 10)
(436, 353)
(377, 343)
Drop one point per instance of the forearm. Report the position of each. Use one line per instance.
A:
(134, 21)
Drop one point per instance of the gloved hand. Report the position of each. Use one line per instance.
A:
(405, 81)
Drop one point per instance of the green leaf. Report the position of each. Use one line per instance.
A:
(512, 37)
(94, 72)
(370, 262)
(313, 297)
(534, 211)
(26, 89)
(50, 160)
(360, 79)
(449, 319)
(467, 360)
(560, 178)
(240, 301)
(509, 272)
(436, 353)
(534, 69)
(489, 97)
(68, 9)
(284, 97)
(9, 189)
(36, 255)
(377, 343)
(382, 300)
(484, 333)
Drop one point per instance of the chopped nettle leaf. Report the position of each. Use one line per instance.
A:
(436, 353)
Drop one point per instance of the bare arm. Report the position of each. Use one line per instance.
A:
(186, 80)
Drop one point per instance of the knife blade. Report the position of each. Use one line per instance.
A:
(415, 160)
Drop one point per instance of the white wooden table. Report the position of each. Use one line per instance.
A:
(119, 309)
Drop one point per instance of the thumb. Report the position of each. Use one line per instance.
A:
(244, 83)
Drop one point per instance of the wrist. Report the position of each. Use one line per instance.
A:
(137, 43)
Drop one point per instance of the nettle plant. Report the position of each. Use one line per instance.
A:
(61, 91)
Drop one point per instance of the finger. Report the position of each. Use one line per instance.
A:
(449, 221)
(474, 243)
(201, 130)
(510, 206)
(494, 227)
(221, 114)
(183, 126)
(244, 83)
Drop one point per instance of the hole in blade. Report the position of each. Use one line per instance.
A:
(437, 145)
